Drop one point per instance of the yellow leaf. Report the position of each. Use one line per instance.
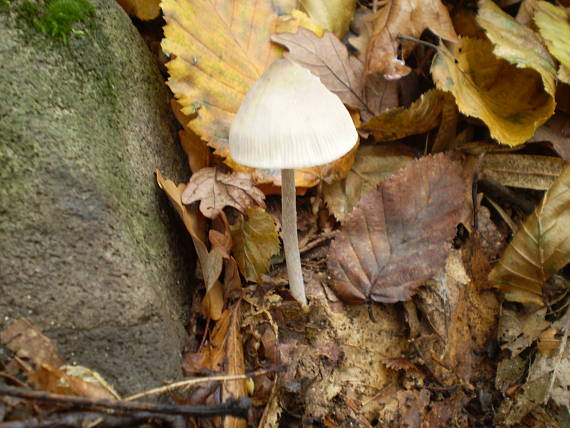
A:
(511, 101)
(540, 248)
(410, 18)
(255, 242)
(295, 20)
(219, 50)
(553, 25)
(334, 15)
(424, 114)
(142, 9)
(517, 43)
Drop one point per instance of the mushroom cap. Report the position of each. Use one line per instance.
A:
(289, 119)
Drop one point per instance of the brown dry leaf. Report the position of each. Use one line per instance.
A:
(548, 344)
(72, 380)
(142, 9)
(372, 165)
(406, 17)
(328, 58)
(28, 342)
(219, 49)
(216, 190)
(397, 237)
(511, 101)
(524, 171)
(255, 242)
(554, 27)
(423, 115)
(540, 248)
(519, 329)
(557, 132)
(210, 261)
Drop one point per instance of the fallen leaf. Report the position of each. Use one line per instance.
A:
(212, 304)
(210, 261)
(423, 115)
(327, 58)
(409, 18)
(518, 330)
(516, 43)
(196, 150)
(361, 30)
(219, 50)
(553, 25)
(511, 101)
(28, 342)
(142, 9)
(295, 20)
(397, 236)
(255, 242)
(216, 190)
(334, 15)
(523, 171)
(557, 132)
(373, 164)
(540, 248)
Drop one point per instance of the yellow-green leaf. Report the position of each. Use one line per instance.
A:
(539, 249)
(255, 242)
(553, 25)
(334, 15)
(424, 114)
(511, 101)
(372, 165)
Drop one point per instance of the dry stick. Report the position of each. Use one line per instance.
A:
(189, 382)
(234, 407)
(76, 419)
(289, 236)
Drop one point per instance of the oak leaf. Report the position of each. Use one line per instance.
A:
(540, 248)
(554, 27)
(397, 236)
(216, 190)
(511, 101)
(372, 165)
(406, 17)
(255, 242)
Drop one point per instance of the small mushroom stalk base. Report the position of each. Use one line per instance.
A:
(289, 235)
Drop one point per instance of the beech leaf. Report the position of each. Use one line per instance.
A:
(397, 236)
(216, 190)
(540, 248)
(372, 165)
(554, 27)
(410, 18)
(511, 101)
(255, 242)
(421, 116)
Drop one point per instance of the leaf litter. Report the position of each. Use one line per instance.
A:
(409, 323)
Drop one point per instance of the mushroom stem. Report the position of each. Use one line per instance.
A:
(289, 235)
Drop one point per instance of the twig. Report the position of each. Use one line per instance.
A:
(497, 192)
(189, 382)
(236, 407)
(80, 419)
(327, 236)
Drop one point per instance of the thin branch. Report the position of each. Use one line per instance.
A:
(236, 407)
(189, 382)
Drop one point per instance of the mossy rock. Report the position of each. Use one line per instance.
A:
(91, 251)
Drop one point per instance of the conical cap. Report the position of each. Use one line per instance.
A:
(289, 119)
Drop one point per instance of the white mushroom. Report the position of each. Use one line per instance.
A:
(287, 120)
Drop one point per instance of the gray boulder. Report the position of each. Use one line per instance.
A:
(91, 251)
